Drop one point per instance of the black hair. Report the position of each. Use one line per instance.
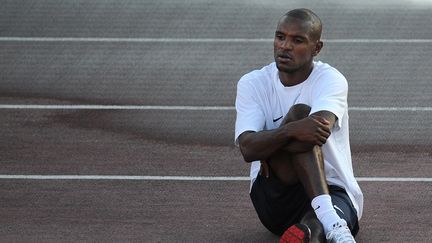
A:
(306, 15)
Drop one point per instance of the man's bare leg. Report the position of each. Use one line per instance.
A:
(306, 168)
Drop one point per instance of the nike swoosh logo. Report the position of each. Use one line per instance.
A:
(277, 119)
(338, 208)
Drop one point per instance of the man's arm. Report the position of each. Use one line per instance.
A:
(327, 118)
(295, 136)
(260, 145)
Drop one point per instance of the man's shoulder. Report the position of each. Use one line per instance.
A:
(260, 76)
(325, 69)
(326, 73)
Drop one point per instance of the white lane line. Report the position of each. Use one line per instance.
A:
(414, 108)
(196, 40)
(114, 177)
(194, 108)
(395, 179)
(115, 107)
(187, 178)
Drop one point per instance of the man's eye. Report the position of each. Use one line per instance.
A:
(280, 37)
(297, 40)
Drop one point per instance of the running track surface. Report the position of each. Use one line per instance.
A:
(176, 63)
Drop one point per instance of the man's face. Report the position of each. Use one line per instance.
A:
(294, 47)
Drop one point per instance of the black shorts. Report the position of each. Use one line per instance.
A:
(279, 206)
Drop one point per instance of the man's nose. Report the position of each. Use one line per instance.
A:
(287, 44)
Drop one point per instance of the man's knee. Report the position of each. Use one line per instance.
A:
(297, 112)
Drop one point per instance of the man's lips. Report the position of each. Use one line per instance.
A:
(284, 58)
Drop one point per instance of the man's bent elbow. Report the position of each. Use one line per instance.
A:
(247, 155)
(245, 147)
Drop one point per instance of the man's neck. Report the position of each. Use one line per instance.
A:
(297, 77)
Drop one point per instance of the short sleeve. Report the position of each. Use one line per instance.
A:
(250, 116)
(330, 94)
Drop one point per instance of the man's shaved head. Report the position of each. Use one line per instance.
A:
(308, 17)
(296, 43)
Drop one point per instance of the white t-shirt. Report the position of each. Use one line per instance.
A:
(262, 98)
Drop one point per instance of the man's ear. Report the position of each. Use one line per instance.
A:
(318, 46)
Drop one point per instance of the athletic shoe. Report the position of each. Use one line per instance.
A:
(340, 233)
(298, 233)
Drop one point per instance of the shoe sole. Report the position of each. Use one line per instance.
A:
(298, 233)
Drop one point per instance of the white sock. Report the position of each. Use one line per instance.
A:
(325, 212)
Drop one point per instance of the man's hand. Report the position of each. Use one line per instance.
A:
(307, 133)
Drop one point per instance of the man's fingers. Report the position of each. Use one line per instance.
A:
(322, 123)
(324, 132)
(325, 129)
(321, 119)
(320, 140)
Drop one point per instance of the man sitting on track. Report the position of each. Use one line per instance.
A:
(292, 124)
